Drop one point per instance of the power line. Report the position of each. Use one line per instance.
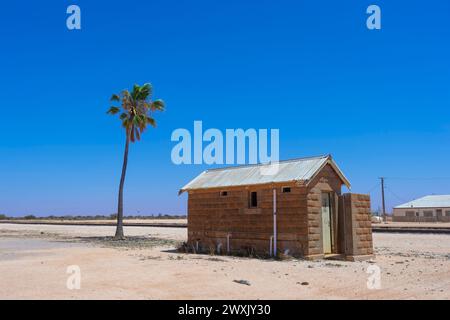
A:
(371, 189)
(418, 178)
(395, 195)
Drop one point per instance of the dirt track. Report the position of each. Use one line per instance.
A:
(34, 261)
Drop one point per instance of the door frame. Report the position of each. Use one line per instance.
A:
(331, 206)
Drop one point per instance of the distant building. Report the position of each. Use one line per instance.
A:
(298, 210)
(426, 209)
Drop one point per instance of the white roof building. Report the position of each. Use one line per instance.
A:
(434, 201)
(428, 208)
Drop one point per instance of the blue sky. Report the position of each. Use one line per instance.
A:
(378, 101)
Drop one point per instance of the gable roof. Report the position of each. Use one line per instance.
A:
(434, 201)
(302, 169)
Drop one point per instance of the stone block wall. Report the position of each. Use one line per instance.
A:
(356, 230)
(326, 181)
(220, 223)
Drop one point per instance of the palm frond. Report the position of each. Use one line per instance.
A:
(115, 98)
(151, 121)
(137, 134)
(135, 92)
(157, 105)
(113, 110)
(139, 121)
(145, 91)
(126, 123)
(125, 94)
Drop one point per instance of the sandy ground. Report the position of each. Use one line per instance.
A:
(105, 221)
(34, 261)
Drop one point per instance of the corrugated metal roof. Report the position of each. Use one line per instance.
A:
(289, 170)
(434, 201)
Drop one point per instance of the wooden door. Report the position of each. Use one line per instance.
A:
(326, 222)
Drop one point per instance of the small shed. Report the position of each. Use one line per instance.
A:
(293, 207)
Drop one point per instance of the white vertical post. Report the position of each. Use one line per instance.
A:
(275, 222)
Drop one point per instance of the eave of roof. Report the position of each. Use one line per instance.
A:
(293, 170)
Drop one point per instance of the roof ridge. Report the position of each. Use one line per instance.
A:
(265, 164)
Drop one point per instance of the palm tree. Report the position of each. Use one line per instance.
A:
(136, 112)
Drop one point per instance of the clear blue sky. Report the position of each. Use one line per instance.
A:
(378, 101)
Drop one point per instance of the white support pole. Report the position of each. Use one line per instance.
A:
(275, 222)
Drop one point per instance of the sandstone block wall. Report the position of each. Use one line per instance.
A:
(217, 223)
(356, 229)
(326, 181)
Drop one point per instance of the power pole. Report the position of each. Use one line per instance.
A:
(382, 199)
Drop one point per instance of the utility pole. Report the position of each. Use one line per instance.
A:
(382, 199)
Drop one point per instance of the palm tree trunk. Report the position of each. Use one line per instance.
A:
(119, 229)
